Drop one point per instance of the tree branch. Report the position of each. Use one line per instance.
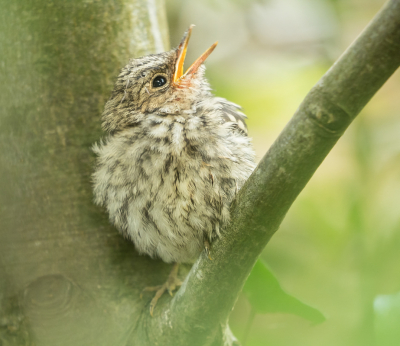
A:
(198, 314)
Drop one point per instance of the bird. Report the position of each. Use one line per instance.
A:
(173, 158)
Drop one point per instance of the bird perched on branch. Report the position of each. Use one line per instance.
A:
(173, 159)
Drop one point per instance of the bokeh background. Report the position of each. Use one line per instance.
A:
(338, 248)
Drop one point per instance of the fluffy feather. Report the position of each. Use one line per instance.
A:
(172, 162)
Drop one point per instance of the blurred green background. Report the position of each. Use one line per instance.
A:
(338, 248)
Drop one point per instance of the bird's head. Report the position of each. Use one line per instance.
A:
(156, 84)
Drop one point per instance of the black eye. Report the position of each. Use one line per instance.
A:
(159, 81)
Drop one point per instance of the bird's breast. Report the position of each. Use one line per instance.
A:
(167, 185)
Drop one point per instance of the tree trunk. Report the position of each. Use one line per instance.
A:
(66, 276)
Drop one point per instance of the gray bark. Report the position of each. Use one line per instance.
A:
(67, 277)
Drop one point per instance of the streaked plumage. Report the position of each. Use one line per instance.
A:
(173, 159)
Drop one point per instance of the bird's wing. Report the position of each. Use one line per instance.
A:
(232, 116)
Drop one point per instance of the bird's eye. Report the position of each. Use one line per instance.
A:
(159, 81)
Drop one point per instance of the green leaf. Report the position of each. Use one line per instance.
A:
(387, 319)
(265, 295)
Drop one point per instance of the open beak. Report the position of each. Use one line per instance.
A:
(181, 54)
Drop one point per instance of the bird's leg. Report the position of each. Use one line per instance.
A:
(170, 285)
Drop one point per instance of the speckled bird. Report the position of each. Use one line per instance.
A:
(173, 159)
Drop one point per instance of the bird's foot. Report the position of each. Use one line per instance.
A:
(170, 285)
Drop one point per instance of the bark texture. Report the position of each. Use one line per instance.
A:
(66, 276)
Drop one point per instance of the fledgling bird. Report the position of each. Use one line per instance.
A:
(174, 158)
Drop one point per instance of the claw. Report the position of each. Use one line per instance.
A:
(170, 285)
(207, 248)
